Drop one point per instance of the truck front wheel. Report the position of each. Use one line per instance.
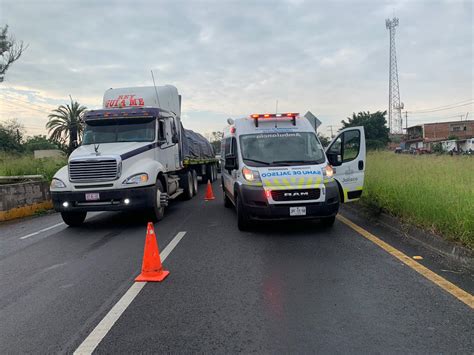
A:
(73, 219)
(158, 211)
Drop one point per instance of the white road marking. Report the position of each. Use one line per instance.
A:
(101, 330)
(56, 225)
(41, 231)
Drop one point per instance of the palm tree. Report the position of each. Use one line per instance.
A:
(65, 123)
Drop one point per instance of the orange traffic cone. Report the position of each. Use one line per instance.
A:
(152, 270)
(209, 193)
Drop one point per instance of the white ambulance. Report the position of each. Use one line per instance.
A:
(274, 167)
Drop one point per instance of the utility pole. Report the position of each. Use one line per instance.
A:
(395, 107)
(406, 122)
(330, 127)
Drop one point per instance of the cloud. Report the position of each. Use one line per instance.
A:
(231, 58)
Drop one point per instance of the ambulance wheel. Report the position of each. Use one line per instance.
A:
(195, 182)
(73, 219)
(328, 221)
(187, 184)
(243, 221)
(157, 213)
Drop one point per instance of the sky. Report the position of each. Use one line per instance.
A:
(234, 58)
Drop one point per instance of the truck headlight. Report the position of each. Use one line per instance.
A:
(136, 179)
(250, 175)
(57, 184)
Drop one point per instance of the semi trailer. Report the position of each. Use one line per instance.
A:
(135, 155)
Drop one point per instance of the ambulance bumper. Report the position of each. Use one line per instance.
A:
(256, 205)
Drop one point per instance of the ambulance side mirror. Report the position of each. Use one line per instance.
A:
(334, 158)
(230, 162)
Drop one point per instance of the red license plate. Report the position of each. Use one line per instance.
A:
(92, 197)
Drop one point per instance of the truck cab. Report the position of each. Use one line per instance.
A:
(274, 168)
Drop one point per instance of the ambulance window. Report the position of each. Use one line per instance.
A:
(234, 147)
(351, 145)
(227, 147)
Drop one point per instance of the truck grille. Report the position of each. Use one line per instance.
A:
(93, 170)
(296, 195)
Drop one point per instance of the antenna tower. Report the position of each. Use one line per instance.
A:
(395, 107)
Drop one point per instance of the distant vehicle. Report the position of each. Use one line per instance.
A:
(135, 154)
(398, 150)
(218, 157)
(274, 167)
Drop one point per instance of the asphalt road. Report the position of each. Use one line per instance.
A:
(283, 287)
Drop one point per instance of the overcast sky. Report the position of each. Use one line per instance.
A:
(233, 58)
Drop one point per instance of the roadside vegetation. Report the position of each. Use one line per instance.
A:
(25, 164)
(433, 192)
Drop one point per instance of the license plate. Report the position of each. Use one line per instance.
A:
(92, 197)
(297, 211)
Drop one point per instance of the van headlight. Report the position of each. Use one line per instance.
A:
(250, 175)
(57, 184)
(136, 179)
(328, 171)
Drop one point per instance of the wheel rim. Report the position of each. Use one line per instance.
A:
(158, 202)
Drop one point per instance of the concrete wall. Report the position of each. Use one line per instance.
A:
(23, 199)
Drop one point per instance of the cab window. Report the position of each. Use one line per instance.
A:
(351, 145)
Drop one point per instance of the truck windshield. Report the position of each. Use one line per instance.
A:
(281, 149)
(119, 130)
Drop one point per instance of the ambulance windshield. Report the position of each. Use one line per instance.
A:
(119, 130)
(281, 149)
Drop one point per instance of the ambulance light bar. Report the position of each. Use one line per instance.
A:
(257, 116)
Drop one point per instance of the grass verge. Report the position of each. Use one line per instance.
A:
(12, 165)
(433, 192)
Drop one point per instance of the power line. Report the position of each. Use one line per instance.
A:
(25, 107)
(8, 97)
(442, 108)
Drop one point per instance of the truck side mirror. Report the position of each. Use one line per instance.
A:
(230, 162)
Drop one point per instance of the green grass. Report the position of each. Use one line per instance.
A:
(12, 165)
(434, 192)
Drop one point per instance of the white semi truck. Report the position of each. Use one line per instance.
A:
(135, 155)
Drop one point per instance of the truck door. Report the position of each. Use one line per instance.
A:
(346, 153)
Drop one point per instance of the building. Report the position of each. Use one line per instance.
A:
(456, 135)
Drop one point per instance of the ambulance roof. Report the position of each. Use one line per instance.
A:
(247, 125)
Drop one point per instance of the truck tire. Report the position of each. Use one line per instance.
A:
(187, 184)
(157, 213)
(209, 175)
(243, 221)
(195, 182)
(73, 219)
